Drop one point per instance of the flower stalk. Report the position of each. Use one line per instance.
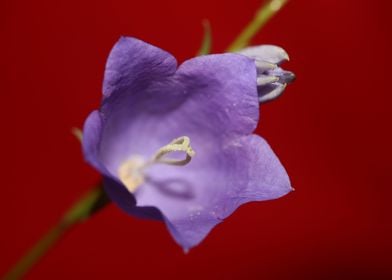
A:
(205, 47)
(263, 15)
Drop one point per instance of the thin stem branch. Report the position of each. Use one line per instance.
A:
(263, 15)
(205, 47)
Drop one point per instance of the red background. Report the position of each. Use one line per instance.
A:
(332, 131)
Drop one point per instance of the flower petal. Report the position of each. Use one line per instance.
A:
(224, 91)
(195, 199)
(131, 66)
(257, 173)
(91, 140)
(268, 53)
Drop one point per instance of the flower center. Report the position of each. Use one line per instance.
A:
(131, 172)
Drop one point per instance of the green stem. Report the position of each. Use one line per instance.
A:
(205, 47)
(80, 211)
(263, 15)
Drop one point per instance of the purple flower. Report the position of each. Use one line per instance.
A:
(176, 144)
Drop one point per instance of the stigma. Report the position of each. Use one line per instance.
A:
(132, 171)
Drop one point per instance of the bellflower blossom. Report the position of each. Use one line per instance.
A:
(176, 143)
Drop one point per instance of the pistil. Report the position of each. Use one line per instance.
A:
(131, 172)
